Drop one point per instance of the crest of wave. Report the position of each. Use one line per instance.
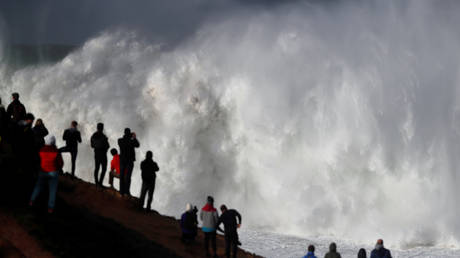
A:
(337, 121)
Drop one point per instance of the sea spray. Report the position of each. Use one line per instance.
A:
(337, 120)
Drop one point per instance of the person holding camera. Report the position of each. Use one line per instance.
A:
(127, 145)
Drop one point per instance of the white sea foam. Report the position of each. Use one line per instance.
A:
(338, 120)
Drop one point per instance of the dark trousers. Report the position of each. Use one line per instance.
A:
(126, 170)
(210, 237)
(188, 237)
(73, 156)
(100, 161)
(147, 188)
(231, 244)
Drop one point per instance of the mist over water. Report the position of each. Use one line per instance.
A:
(338, 120)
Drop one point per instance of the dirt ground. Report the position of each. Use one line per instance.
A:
(160, 229)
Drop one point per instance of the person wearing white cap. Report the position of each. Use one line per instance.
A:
(50, 164)
(189, 223)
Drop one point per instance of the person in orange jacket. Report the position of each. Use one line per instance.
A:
(50, 164)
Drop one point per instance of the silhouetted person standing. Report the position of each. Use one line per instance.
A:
(229, 219)
(100, 144)
(380, 251)
(149, 169)
(26, 149)
(40, 132)
(362, 253)
(333, 252)
(209, 217)
(127, 157)
(72, 138)
(16, 110)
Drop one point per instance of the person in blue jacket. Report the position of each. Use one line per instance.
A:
(380, 251)
(311, 252)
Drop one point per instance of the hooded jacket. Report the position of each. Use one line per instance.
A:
(310, 255)
(209, 217)
(333, 252)
(381, 253)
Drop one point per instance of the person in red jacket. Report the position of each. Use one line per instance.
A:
(50, 164)
(114, 166)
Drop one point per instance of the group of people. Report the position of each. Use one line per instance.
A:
(211, 222)
(41, 161)
(379, 251)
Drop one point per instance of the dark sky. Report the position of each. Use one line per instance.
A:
(73, 22)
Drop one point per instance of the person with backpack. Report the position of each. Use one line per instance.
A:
(127, 157)
(50, 164)
(149, 169)
(100, 144)
(189, 224)
(209, 217)
(229, 219)
(72, 138)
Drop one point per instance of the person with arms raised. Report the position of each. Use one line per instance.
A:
(127, 145)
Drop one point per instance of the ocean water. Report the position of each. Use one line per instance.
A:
(324, 121)
(277, 245)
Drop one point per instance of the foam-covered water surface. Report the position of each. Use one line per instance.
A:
(338, 121)
(273, 245)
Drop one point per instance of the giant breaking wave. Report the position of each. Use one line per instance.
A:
(337, 120)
